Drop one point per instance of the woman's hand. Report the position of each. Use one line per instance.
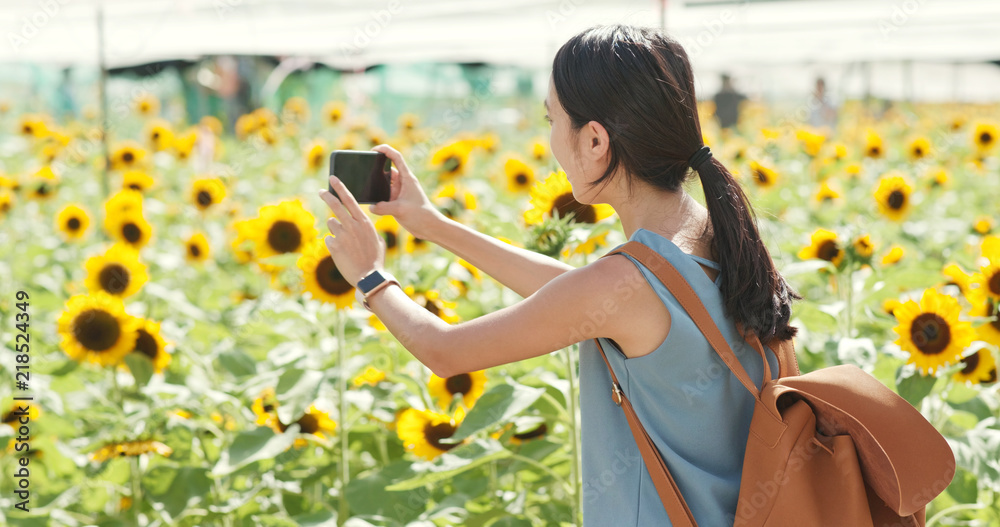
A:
(407, 201)
(356, 247)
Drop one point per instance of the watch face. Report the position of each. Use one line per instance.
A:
(369, 282)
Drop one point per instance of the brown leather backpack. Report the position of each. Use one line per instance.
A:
(830, 447)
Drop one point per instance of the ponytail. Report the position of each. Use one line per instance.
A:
(755, 293)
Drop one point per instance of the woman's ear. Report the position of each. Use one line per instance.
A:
(598, 139)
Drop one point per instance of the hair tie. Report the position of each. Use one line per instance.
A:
(699, 157)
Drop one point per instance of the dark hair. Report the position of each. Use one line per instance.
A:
(637, 83)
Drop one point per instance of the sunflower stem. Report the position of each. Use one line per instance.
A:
(136, 476)
(850, 299)
(960, 507)
(574, 431)
(345, 472)
(545, 468)
(562, 411)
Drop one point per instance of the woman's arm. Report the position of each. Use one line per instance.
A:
(576, 305)
(519, 269)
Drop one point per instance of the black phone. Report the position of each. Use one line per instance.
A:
(366, 174)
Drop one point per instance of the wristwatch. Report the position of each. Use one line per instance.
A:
(375, 281)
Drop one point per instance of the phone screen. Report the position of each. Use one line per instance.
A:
(366, 174)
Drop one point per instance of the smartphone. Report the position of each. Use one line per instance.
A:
(366, 174)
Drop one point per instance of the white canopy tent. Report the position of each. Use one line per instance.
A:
(938, 49)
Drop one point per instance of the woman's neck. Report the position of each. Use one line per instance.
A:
(674, 215)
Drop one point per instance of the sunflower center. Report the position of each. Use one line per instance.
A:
(521, 179)
(131, 232)
(460, 383)
(27, 129)
(330, 279)
(452, 164)
(73, 224)
(435, 433)
(146, 344)
(96, 329)
(930, 333)
(874, 150)
(114, 278)
(918, 152)
(566, 203)
(194, 250)
(995, 283)
(896, 199)
(970, 363)
(135, 186)
(429, 305)
(204, 198)
(284, 236)
(156, 135)
(390, 239)
(308, 424)
(536, 433)
(128, 157)
(828, 250)
(985, 138)
(43, 190)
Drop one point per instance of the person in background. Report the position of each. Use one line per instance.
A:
(727, 103)
(65, 102)
(822, 112)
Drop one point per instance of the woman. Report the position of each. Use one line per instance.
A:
(625, 128)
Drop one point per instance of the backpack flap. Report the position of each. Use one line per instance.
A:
(904, 459)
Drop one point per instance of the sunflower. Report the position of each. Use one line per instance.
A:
(853, 170)
(894, 255)
(196, 248)
(295, 109)
(919, 148)
(73, 221)
(931, 331)
(206, 192)
(538, 432)
(412, 244)
(938, 178)
(890, 305)
(985, 136)
(130, 448)
(376, 136)
(811, 142)
(265, 407)
(451, 160)
(408, 122)
(520, 176)
(539, 150)
(43, 183)
(839, 152)
(826, 194)
(987, 308)
(988, 277)
(245, 125)
(212, 123)
(554, 196)
(130, 228)
(117, 272)
(421, 431)
(322, 278)
(6, 202)
(333, 112)
(388, 227)
(33, 125)
(147, 104)
(283, 228)
(762, 175)
(452, 202)
(893, 196)
(184, 144)
(371, 376)
(314, 422)
(127, 155)
(958, 278)
(431, 301)
(873, 144)
(471, 385)
(863, 246)
(137, 180)
(315, 155)
(125, 201)
(242, 241)
(983, 224)
(17, 411)
(96, 328)
(823, 244)
(159, 135)
(348, 142)
(980, 367)
(152, 345)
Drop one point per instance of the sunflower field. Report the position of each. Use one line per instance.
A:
(179, 349)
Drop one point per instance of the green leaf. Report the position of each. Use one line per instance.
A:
(500, 403)
(237, 363)
(317, 519)
(964, 488)
(141, 368)
(296, 390)
(176, 488)
(915, 387)
(261, 443)
(452, 463)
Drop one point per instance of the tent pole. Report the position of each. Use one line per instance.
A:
(103, 94)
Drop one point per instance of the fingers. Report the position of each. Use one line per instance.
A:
(335, 205)
(394, 155)
(347, 199)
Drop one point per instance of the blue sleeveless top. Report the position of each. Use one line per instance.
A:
(695, 410)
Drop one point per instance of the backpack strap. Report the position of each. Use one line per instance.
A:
(677, 509)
